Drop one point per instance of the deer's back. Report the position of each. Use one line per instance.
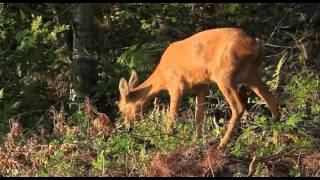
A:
(206, 56)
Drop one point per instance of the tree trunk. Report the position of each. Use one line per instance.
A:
(83, 64)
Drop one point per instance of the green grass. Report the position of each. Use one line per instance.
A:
(77, 147)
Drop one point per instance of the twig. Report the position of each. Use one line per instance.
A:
(137, 135)
(126, 164)
(251, 166)
(211, 167)
(215, 123)
(277, 27)
(95, 112)
(278, 46)
(18, 115)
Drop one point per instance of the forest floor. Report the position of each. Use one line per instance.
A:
(97, 146)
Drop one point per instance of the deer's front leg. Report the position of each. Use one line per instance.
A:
(229, 90)
(262, 91)
(200, 107)
(175, 97)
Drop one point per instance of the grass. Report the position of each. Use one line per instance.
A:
(95, 146)
(88, 143)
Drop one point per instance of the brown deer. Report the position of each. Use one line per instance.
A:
(227, 56)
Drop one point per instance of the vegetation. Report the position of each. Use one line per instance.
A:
(59, 87)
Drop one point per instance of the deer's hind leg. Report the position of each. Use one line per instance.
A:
(200, 108)
(175, 98)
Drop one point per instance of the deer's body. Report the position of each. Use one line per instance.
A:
(226, 56)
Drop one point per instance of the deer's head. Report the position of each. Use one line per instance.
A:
(129, 106)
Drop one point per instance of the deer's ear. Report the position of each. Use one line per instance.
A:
(123, 87)
(133, 81)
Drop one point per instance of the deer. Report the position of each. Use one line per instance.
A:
(227, 57)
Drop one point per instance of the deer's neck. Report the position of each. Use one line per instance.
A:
(147, 90)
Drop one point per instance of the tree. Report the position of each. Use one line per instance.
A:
(83, 64)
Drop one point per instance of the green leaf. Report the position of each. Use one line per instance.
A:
(173, 19)
(294, 120)
(100, 162)
(1, 93)
(16, 105)
(237, 150)
(1, 7)
(23, 15)
(295, 171)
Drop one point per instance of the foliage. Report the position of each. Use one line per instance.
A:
(31, 55)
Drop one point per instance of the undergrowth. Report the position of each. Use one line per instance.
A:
(89, 143)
